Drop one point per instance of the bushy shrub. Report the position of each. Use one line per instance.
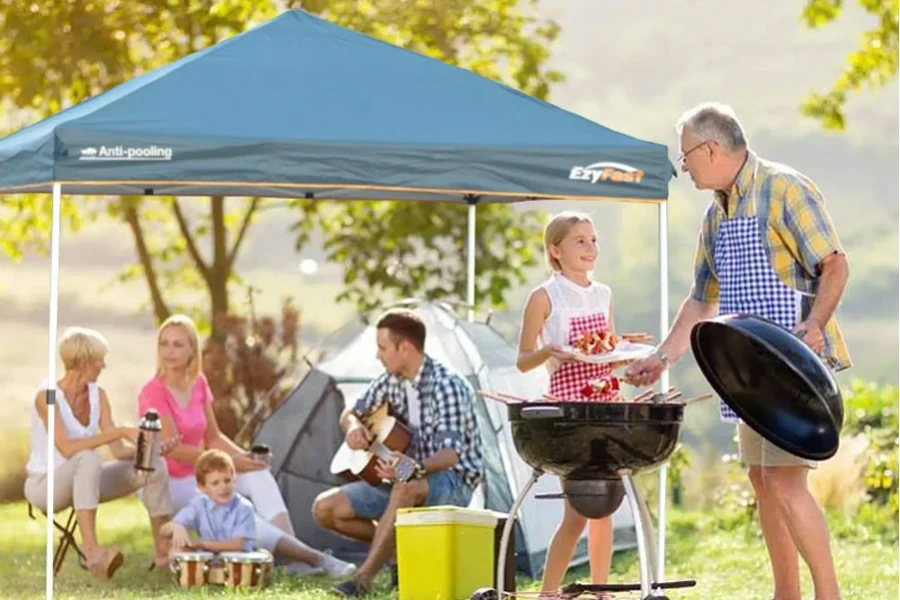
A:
(838, 484)
(735, 496)
(246, 367)
(15, 448)
(679, 462)
(871, 410)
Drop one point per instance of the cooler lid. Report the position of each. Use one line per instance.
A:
(445, 515)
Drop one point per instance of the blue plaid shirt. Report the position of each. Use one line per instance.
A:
(220, 522)
(447, 414)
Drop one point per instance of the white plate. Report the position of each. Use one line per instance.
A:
(624, 351)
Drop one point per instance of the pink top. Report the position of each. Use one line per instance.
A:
(190, 421)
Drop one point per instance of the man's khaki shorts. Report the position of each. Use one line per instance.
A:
(757, 450)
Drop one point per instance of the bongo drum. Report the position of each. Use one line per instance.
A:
(246, 569)
(216, 571)
(191, 569)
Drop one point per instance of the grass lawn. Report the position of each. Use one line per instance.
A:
(726, 559)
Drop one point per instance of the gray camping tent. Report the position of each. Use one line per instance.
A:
(304, 433)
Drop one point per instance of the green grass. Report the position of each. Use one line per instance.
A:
(726, 558)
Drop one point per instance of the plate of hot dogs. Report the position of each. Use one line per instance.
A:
(605, 347)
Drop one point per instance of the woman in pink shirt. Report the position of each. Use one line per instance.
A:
(181, 395)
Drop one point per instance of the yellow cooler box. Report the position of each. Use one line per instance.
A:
(444, 552)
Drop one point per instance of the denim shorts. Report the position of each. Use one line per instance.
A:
(444, 488)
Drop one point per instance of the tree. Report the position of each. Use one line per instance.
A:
(83, 48)
(873, 64)
(177, 260)
(408, 249)
(25, 221)
(419, 250)
(502, 40)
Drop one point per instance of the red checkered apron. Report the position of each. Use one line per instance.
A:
(570, 379)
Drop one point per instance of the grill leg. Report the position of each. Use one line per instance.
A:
(507, 531)
(649, 538)
(644, 533)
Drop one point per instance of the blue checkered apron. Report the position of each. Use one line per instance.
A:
(747, 282)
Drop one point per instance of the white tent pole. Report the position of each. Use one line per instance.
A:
(664, 380)
(470, 263)
(51, 377)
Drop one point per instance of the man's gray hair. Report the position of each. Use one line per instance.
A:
(717, 122)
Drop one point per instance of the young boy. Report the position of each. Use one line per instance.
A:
(223, 520)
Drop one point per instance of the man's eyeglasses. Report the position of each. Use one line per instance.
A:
(680, 158)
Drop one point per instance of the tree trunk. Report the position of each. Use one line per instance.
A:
(220, 269)
(130, 213)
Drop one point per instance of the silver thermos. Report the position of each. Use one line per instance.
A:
(149, 429)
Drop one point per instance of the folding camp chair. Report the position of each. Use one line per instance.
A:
(66, 539)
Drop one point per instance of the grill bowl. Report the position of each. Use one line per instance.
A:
(594, 440)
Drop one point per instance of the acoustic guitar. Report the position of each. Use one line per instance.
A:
(389, 434)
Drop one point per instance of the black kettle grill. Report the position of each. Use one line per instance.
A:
(595, 448)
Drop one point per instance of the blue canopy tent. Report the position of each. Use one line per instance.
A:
(299, 107)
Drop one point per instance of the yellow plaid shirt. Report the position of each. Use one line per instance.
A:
(796, 230)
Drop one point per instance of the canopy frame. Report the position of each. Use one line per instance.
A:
(471, 201)
(473, 141)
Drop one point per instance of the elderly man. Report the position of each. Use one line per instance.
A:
(767, 247)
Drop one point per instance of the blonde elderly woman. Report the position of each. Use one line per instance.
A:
(181, 395)
(84, 423)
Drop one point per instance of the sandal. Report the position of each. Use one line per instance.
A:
(156, 564)
(106, 564)
(350, 589)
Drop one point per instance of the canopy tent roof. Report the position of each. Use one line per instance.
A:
(301, 107)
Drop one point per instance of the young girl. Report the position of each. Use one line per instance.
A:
(560, 311)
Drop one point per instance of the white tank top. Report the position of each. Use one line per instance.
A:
(569, 300)
(37, 462)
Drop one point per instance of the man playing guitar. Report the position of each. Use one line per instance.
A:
(438, 406)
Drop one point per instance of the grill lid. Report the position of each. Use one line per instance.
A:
(773, 381)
